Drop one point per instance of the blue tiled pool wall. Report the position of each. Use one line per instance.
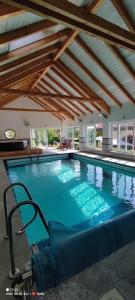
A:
(95, 161)
(52, 157)
(35, 159)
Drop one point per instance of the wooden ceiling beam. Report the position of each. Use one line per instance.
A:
(33, 47)
(67, 92)
(20, 70)
(19, 85)
(7, 98)
(70, 37)
(8, 10)
(25, 31)
(54, 103)
(58, 84)
(93, 56)
(94, 5)
(93, 77)
(31, 110)
(65, 103)
(75, 82)
(119, 5)
(7, 67)
(62, 103)
(44, 95)
(28, 73)
(122, 60)
(87, 90)
(45, 106)
(78, 18)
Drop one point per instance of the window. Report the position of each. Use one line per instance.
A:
(10, 134)
(115, 137)
(91, 136)
(38, 137)
(95, 136)
(72, 133)
(123, 137)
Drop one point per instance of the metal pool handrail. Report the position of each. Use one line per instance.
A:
(21, 230)
(10, 230)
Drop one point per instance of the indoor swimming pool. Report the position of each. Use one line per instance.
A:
(74, 191)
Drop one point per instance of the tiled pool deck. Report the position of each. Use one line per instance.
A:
(114, 272)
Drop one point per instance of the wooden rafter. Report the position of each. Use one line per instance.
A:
(25, 50)
(94, 5)
(38, 63)
(62, 103)
(122, 60)
(67, 92)
(89, 92)
(28, 73)
(58, 84)
(45, 106)
(93, 77)
(122, 11)
(31, 109)
(25, 31)
(119, 5)
(75, 23)
(7, 10)
(22, 84)
(49, 87)
(9, 98)
(9, 66)
(93, 56)
(54, 103)
(75, 82)
(70, 37)
(46, 95)
(73, 16)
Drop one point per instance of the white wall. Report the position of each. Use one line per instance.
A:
(15, 120)
(127, 112)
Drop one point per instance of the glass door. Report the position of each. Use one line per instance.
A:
(54, 137)
(38, 138)
(72, 134)
(91, 136)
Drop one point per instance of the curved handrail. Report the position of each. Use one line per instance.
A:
(10, 230)
(21, 230)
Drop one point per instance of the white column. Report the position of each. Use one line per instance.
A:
(46, 137)
(107, 139)
(82, 137)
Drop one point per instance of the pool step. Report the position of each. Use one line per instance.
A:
(112, 295)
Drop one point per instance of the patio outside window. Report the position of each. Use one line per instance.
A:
(123, 137)
(95, 136)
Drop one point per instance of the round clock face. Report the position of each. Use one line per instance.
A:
(10, 134)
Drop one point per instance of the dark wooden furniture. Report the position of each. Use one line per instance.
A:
(12, 145)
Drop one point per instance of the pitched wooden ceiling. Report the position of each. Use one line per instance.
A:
(70, 57)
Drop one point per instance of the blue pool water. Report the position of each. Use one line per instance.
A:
(76, 192)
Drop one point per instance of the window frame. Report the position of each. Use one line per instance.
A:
(88, 145)
(119, 123)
